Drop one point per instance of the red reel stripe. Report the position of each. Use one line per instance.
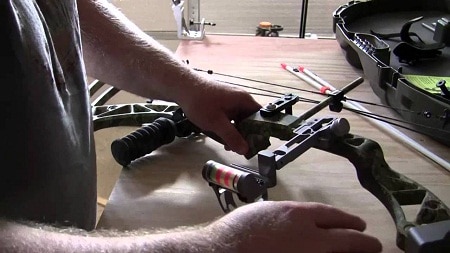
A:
(218, 175)
(226, 179)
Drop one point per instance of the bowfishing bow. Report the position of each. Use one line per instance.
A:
(162, 122)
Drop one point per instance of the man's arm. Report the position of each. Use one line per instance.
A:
(26, 237)
(117, 52)
(283, 226)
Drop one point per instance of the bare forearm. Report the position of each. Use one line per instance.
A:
(119, 53)
(15, 237)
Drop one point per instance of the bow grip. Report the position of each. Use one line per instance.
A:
(143, 141)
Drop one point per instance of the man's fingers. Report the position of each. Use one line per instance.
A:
(347, 240)
(230, 135)
(331, 217)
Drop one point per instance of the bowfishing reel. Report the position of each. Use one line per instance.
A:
(251, 185)
(225, 180)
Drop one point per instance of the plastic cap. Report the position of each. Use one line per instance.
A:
(265, 24)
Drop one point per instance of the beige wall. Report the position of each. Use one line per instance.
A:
(149, 15)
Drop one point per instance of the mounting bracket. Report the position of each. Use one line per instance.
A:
(195, 28)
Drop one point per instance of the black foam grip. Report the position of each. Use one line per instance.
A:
(143, 141)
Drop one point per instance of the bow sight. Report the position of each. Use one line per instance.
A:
(429, 232)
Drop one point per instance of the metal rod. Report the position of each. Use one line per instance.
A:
(329, 99)
(429, 27)
(393, 132)
(303, 15)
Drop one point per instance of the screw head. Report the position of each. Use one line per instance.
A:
(271, 106)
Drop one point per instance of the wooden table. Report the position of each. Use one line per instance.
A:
(165, 189)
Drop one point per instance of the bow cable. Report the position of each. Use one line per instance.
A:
(356, 108)
(368, 114)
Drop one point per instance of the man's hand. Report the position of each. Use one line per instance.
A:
(212, 107)
(117, 52)
(294, 227)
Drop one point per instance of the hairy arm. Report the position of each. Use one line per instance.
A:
(282, 226)
(27, 237)
(117, 52)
